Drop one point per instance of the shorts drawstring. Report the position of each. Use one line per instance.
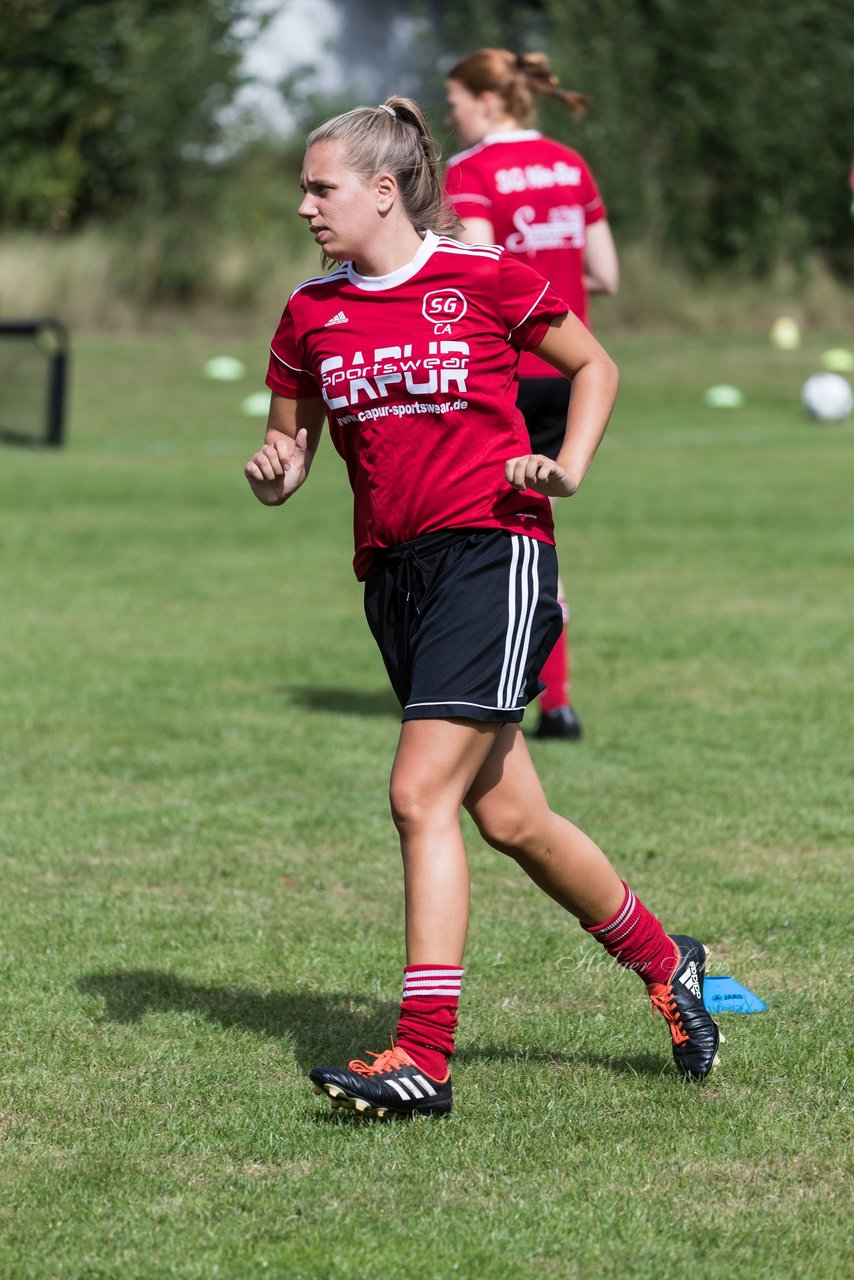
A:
(410, 577)
(412, 569)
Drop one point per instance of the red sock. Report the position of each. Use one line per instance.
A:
(555, 672)
(428, 1015)
(636, 939)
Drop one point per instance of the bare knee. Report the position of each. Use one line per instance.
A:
(418, 807)
(408, 809)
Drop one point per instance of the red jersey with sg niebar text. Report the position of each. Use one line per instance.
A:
(540, 197)
(417, 370)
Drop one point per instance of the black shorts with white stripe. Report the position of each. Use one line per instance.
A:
(464, 620)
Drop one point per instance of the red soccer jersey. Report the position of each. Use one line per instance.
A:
(540, 198)
(418, 373)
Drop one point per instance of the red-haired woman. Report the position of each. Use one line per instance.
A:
(536, 197)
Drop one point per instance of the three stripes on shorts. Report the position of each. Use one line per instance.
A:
(524, 581)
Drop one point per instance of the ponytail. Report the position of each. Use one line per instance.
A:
(535, 67)
(516, 79)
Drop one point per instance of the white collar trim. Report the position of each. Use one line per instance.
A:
(374, 284)
(512, 135)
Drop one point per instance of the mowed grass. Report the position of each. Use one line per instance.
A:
(201, 884)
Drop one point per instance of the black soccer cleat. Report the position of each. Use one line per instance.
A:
(696, 1036)
(392, 1085)
(560, 723)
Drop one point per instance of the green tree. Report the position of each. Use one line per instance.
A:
(112, 105)
(745, 125)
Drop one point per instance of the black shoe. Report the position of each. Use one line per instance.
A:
(560, 723)
(391, 1085)
(695, 1035)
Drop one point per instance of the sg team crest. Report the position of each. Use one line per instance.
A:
(444, 307)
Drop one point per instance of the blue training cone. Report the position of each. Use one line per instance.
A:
(725, 995)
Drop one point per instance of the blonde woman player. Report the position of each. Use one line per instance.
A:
(512, 186)
(409, 349)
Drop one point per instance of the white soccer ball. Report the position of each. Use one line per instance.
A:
(827, 397)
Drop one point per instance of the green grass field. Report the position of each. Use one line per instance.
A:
(201, 883)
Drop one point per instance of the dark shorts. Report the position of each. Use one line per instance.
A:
(543, 403)
(464, 620)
